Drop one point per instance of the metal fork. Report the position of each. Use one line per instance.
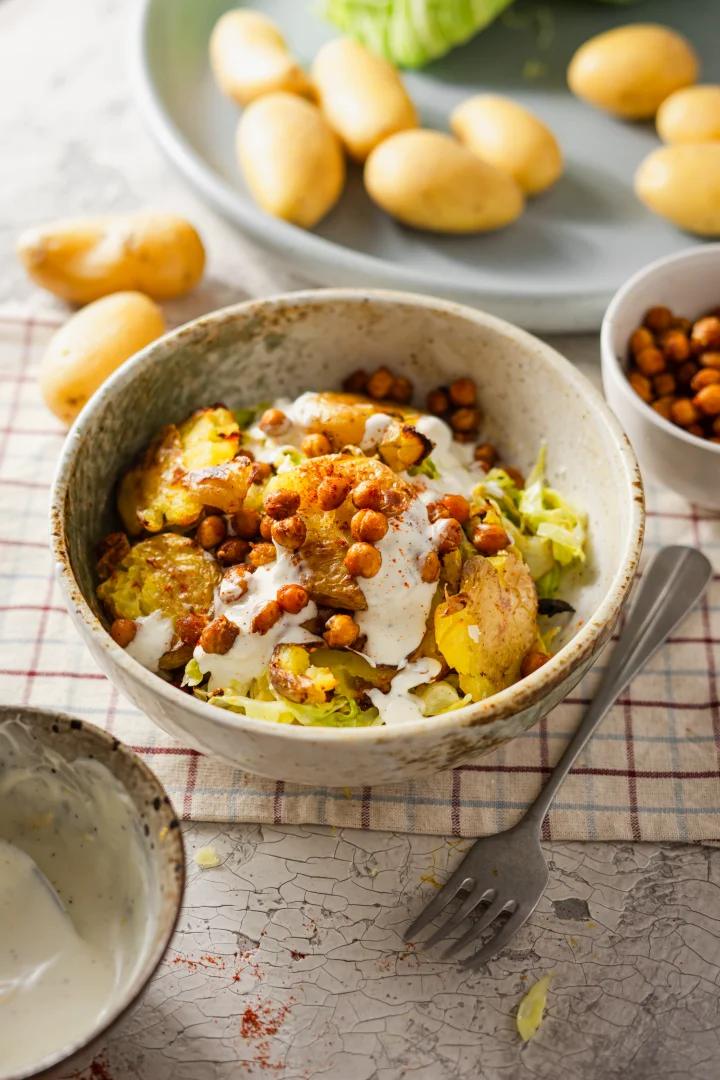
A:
(508, 871)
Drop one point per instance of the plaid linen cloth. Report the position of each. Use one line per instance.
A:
(652, 772)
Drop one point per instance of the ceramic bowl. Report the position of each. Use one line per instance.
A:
(162, 838)
(689, 284)
(310, 340)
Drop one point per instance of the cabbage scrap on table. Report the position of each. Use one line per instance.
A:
(341, 560)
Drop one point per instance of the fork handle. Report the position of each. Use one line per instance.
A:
(671, 585)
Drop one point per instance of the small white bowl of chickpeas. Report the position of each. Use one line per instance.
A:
(660, 345)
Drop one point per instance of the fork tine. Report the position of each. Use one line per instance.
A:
(489, 915)
(500, 940)
(465, 908)
(436, 905)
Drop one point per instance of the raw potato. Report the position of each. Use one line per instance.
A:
(429, 181)
(292, 159)
(91, 345)
(361, 95)
(249, 58)
(682, 183)
(501, 132)
(691, 115)
(630, 71)
(82, 259)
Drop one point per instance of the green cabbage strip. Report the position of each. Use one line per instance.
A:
(340, 711)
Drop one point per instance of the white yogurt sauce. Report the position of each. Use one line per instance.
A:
(398, 706)
(76, 898)
(153, 638)
(375, 428)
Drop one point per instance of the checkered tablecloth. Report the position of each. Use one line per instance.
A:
(651, 773)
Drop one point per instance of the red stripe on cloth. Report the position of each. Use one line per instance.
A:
(37, 651)
(15, 403)
(176, 751)
(33, 607)
(632, 785)
(278, 801)
(37, 320)
(365, 808)
(23, 543)
(37, 433)
(190, 788)
(31, 673)
(642, 704)
(709, 653)
(581, 770)
(455, 802)
(25, 484)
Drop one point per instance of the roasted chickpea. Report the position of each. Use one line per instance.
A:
(641, 339)
(219, 636)
(244, 452)
(262, 473)
(292, 598)
(266, 617)
(274, 422)
(696, 430)
(462, 392)
(363, 560)
(281, 503)
(489, 539)
(705, 334)
(430, 567)
(664, 384)
(232, 551)
(438, 402)
(262, 554)
(706, 376)
(707, 400)
(465, 420)
(190, 627)
(448, 535)
(436, 511)
(290, 532)
(675, 346)
(211, 531)
(683, 324)
(368, 495)
(235, 583)
(332, 492)
(641, 385)
(486, 452)
(246, 524)
(316, 445)
(123, 631)
(515, 475)
(355, 383)
(650, 362)
(380, 383)
(401, 390)
(341, 631)
(266, 524)
(710, 360)
(531, 662)
(458, 507)
(658, 319)
(369, 526)
(683, 412)
(685, 373)
(663, 405)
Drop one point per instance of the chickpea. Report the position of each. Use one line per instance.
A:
(515, 475)
(391, 502)
(356, 382)
(292, 598)
(244, 452)
(211, 531)
(232, 551)
(274, 422)
(658, 319)
(263, 472)
(710, 360)
(436, 511)
(290, 532)
(686, 372)
(281, 503)
(675, 346)
(486, 452)
(531, 662)
(369, 526)
(641, 385)
(663, 405)
(262, 554)
(489, 539)
(650, 362)
(664, 384)
(706, 376)
(368, 495)
(683, 324)
(707, 400)
(380, 383)
(234, 583)
(363, 560)
(332, 492)
(266, 617)
(316, 445)
(463, 392)
(448, 535)
(430, 567)
(401, 390)
(458, 507)
(190, 627)
(714, 439)
(438, 402)
(465, 420)
(341, 631)
(705, 334)
(641, 339)
(123, 631)
(246, 524)
(219, 636)
(266, 524)
(696, 430)
(683, 412)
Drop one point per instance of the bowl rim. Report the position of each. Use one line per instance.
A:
(46, 1066)
(608, 353)
(511, 701)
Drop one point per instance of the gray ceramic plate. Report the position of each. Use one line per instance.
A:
(555, 270)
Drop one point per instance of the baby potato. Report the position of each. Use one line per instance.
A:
(682, 183)
(690, 115)
(249, 57)
(629, 71)
(361, 95)
(91, 345)
(505, 134)
(430, 181)
(292, 159)
(82, 259)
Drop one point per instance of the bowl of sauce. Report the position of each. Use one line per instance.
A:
(91, 881)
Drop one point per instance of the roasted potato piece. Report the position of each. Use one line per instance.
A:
(293, 675)
(167, 573)
(487, 628)
(224, 486)
(402, 446)
(153, 494)
(342, 417)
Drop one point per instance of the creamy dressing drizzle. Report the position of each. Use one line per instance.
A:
(399, 705)
(153, 638)
(375, 428)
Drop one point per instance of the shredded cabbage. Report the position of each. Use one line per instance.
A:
(193, 675)
(440, 697)
(428, 468)
(552, 516)
(547, 586)
(340, 711)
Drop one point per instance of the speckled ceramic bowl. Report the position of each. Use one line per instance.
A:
(311, 340)
(77, 739)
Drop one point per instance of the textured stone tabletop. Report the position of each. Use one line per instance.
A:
(288, 961)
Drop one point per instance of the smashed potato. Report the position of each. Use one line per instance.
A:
(169, 573)
(294, 676)
(402, 447)
(342, 417)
